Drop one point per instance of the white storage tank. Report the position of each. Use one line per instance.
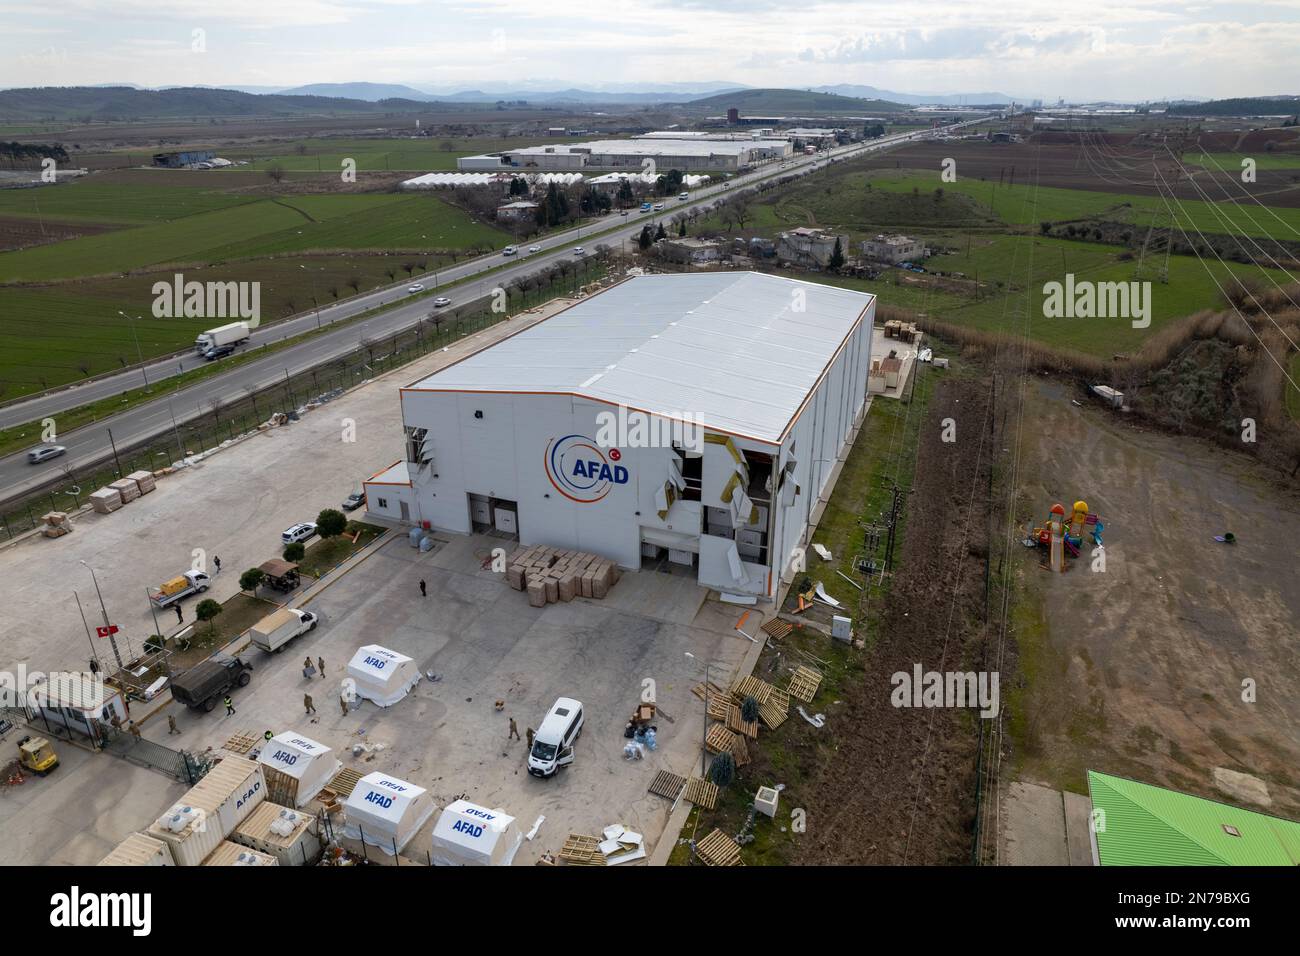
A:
(232, 854)
(191, 832)
(288, 835)
(139, 850)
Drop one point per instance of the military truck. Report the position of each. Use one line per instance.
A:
(204, 684)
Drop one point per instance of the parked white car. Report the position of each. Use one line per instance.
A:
(299, 532)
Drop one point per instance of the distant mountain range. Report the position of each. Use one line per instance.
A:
(921, 99)
(379, 91)
(119, 103)
(762, 102)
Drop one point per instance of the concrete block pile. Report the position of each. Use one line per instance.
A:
(550, 574)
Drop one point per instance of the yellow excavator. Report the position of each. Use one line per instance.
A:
(37, 755)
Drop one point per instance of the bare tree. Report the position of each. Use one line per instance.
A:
(276, 173)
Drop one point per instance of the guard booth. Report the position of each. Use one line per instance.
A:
(385, 812)
(381, 675)
(469, 835)
(296, 768)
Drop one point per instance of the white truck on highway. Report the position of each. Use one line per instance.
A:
(236, 333)
(276, 630)
(183, 585)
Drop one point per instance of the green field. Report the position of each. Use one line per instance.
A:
(51, 332)
(1232, 161)
(1028, 206)
(260, 228)
(90, 201)
(999, 246)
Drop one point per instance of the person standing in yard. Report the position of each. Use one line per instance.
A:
(343, 704)
(171, 725)
(530, 738)
(135, 731)
(320, 662)
(180, 617)
(423, 589)
(306, 702)
(216, 563)
(514, 730)
(230, 705)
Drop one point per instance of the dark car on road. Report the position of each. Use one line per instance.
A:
(218, 351)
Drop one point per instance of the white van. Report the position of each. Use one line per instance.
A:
(553, 742)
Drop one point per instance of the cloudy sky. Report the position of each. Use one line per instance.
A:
(1078, 49)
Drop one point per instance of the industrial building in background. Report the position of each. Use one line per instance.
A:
(693, 153)
(693, 419)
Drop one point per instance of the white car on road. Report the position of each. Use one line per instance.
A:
(534, 248)
(441, 301)
(418, 287)
(509, 251)
(579, 251)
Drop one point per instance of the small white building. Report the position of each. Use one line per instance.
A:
(692, 417)
(893, 249)
(469, 835)
(381, 675)
(385, 812)
(78, 701)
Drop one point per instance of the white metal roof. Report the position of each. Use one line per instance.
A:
(731, 350)
(653, 147)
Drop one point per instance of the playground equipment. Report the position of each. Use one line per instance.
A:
(1063, 536)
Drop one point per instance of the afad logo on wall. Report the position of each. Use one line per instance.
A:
(580, 470)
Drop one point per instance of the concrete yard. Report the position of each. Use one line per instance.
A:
(480, 637)
(485, 643)
(233, 505)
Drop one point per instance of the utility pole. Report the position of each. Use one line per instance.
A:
(103, 610)
(115, 458)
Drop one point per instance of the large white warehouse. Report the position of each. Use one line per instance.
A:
(683, 154)
(693, 418)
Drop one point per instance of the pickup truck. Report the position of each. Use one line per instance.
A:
(183, 585)
(274, 631)
(204, 684)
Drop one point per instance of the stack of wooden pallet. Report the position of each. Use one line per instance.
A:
(554, 574)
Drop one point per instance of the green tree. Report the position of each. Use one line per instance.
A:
(749, 710)
(722, 770)
(207, 611)
(681, 228)
(625, 197)
(251, 579)
(837, 256)
(330, 523)
(660, 233)
(294, 551)
(645, 239)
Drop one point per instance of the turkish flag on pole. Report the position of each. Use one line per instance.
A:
(105, 631)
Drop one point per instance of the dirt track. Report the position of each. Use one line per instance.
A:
(900, 788)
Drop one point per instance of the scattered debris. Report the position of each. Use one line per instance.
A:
(817, 720)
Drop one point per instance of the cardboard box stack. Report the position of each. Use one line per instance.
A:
(549, 574)
(106, 500)
(127, 488)
(57, 524)
(144, 480)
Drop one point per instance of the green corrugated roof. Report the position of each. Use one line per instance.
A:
(1151, 826)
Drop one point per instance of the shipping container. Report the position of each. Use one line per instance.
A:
(232, 854)
(291, 836)
(200, 820)
(139, 850)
